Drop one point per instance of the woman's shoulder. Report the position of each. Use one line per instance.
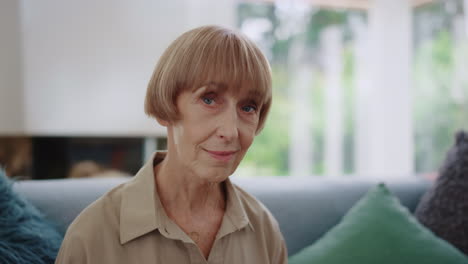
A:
(256, 211)
(264, 224)
(101, 214)
(94, 231)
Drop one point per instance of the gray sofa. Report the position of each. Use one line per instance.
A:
(305, 207)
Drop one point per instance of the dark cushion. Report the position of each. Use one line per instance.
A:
(444, 207)
(25, 236)
(378, 229)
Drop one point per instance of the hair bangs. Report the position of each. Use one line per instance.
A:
(233, 62)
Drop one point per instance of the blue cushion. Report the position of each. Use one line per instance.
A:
(25, 235)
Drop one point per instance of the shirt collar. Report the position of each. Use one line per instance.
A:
(235, 210)
(141, 210)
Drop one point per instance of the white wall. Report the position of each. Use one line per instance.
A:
(87, 63)
(11, 101)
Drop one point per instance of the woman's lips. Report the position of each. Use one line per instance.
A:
(222, 155)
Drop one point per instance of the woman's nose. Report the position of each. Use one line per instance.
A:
(228, 125)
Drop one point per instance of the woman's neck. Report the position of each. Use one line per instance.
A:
(181, 191)
(196, 206)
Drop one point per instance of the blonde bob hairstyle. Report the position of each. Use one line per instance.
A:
(205, 55)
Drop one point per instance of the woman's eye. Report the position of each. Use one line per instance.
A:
(207, 100)
(249, 108)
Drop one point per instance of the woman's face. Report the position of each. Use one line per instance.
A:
(215, 130)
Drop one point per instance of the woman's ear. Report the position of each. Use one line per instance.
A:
(162, 122)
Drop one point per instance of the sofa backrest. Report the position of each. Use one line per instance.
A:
(304, 207)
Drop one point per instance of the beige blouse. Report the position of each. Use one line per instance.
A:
(129, 225)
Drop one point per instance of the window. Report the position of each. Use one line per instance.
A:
(343, 102)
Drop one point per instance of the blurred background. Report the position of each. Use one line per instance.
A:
(362, 88)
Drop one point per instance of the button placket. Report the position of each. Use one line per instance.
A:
(196, 256)
(216, 254)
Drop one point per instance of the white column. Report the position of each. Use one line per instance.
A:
(300, 148)
(361, 87)
(388, 150)
(11, 86)
(331, 45)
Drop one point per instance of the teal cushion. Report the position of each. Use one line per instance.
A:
(25, 236)
(378, 229)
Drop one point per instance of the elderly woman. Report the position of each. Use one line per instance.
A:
(211, 89)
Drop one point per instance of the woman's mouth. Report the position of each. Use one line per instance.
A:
(222, 155)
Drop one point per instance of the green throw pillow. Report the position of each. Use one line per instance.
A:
(378, 229)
